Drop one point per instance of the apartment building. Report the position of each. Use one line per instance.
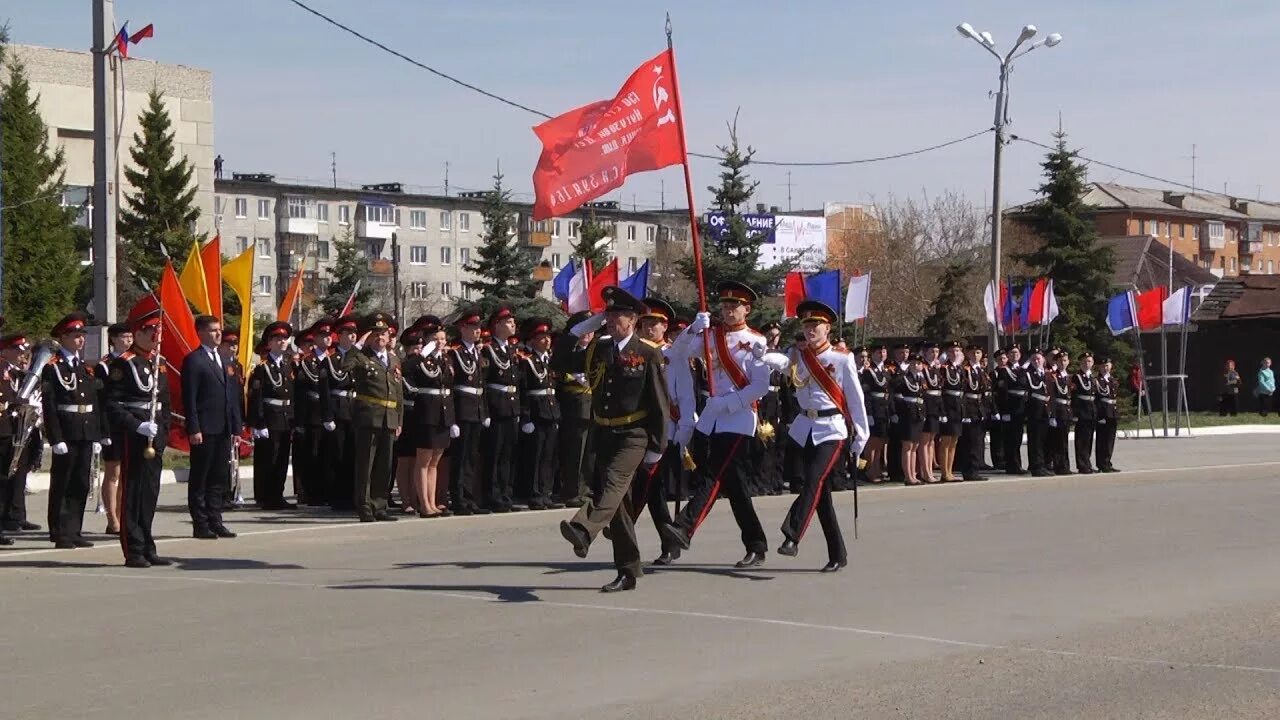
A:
(422, 242)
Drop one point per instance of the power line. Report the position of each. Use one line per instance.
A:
(1108, 165)
(512, 103)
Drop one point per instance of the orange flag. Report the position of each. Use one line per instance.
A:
(211, 259)
(290, 298)
(180, 324)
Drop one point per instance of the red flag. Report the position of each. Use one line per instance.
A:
(1150, 306)
(606, 277)
(211, 262)
(351, 301)
(146, 32)
(1035, 314)
(793, 293)
(588, 152)
(290, 298)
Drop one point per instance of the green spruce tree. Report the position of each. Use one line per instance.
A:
(42, 270)
(948, 315)
(733, 252)
(158, 217)
(592, 231)
(1069, 254)
(504, 272)
(350, 268)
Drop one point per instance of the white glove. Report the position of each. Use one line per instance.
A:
(263, 433)
(148, 429)
(428, 349)
(776, 361)
(1006, 418)
(942, 419)
(106, 442)
(893, 418)
(97, 447)
(330, 426)
(1102, 422)
(527, 428)
(652, 458)
(701, 322)
(581, 379)
(60, 449)
(485, 423)
(966, 421)
(684, 434)
(590, 325)
(1053, 422)
(454, 431)
(871, 422)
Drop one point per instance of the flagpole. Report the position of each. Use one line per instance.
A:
(693, 214)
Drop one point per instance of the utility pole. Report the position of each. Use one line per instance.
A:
(395, 276)
(446, 178)
(788, 191)
(662, 194)
(333, 167)
(104, 163)
(1193, 168)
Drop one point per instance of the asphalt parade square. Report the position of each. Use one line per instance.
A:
(1150, 593)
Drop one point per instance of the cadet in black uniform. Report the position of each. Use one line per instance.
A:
(74, 422)
(574, 398)
(377, 414)
(471, 413)
(901, 364)
(1084, 405)
(270, 416)
(10, 379)
(138, 403)
(502, 393)
(909, 416)
(951, 422)
(229, 351)
(990, 409)
(1011, 403)
(1108, 417)
(14, 357)
(431, 379)
(340, 451)
(312, 413)
(412, 428)
(629, 396)
(539, 415)
(1060, 417)
(875, 389)
(973, 431)
(120, 336)
(1036, 382)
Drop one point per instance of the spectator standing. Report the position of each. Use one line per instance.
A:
(1228, 402)
(1266, 386)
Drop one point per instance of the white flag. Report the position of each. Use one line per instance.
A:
(858, 301)
(579, 295)
(990, 301)
(1050, 303)
(1177, 307)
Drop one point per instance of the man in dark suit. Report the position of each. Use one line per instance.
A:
(377, 414)
(211, 397)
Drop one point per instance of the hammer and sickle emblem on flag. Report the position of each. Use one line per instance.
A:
(661, 96)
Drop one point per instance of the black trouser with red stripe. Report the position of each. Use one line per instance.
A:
(139, 492)
(813, 477)
(649, 489)
(728, 470)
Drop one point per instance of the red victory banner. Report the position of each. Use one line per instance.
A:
(590, 151)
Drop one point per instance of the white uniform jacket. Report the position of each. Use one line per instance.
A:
(843, 368)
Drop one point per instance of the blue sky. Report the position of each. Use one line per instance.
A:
(1136, 83)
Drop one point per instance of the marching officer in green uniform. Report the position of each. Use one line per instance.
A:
(376, 413)
(568, 360)
(629, 399)
(133, 380)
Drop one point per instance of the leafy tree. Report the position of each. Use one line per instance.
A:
(349, 268)
(948, 316)
(158, 218)
(1069, 254)
(503, 271)
(42, 271)
(592, 231)
(733, 253)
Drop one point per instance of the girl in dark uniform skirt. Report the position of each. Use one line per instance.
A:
(433, 378)
(950, 422)
(908, 397)
(411, 427)
(932, 415)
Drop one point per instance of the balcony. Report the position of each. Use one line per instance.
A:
(536, 239)
(543, 273)
(1252, 247)
(1213, 236)
(380, 268)
(298, 225)
(375, 229)
(377, 221)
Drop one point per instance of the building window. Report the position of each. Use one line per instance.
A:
(631, 266)
(264, 284)
(1232, 263)
(1195, 232)
(446, 220)
(322, 212)
(1271, 267)
(344, 214)
(555, 229)
(384, 214)
(446, 289)
(464, 256)
(464, 222)
(1162, 228)
(650, 233)
(418, 290)
(242, 207)
(446, 255)
(264, 247)
(418, 219)
(242, 244)
(467, 291)
(417, 254)
(322, 249)
(297, 207)
(264, 209)
(573, 228)
(555, 260)
(1175, 230)
(1217, 231)
(631, 233)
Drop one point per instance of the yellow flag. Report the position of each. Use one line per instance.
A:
(238, 275)
(192, 281)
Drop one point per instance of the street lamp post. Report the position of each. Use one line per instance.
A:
(1002, 118)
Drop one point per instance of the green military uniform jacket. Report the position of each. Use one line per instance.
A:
(379, 400)
(629, 388)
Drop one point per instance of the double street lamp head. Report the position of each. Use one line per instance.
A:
(986, 40)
